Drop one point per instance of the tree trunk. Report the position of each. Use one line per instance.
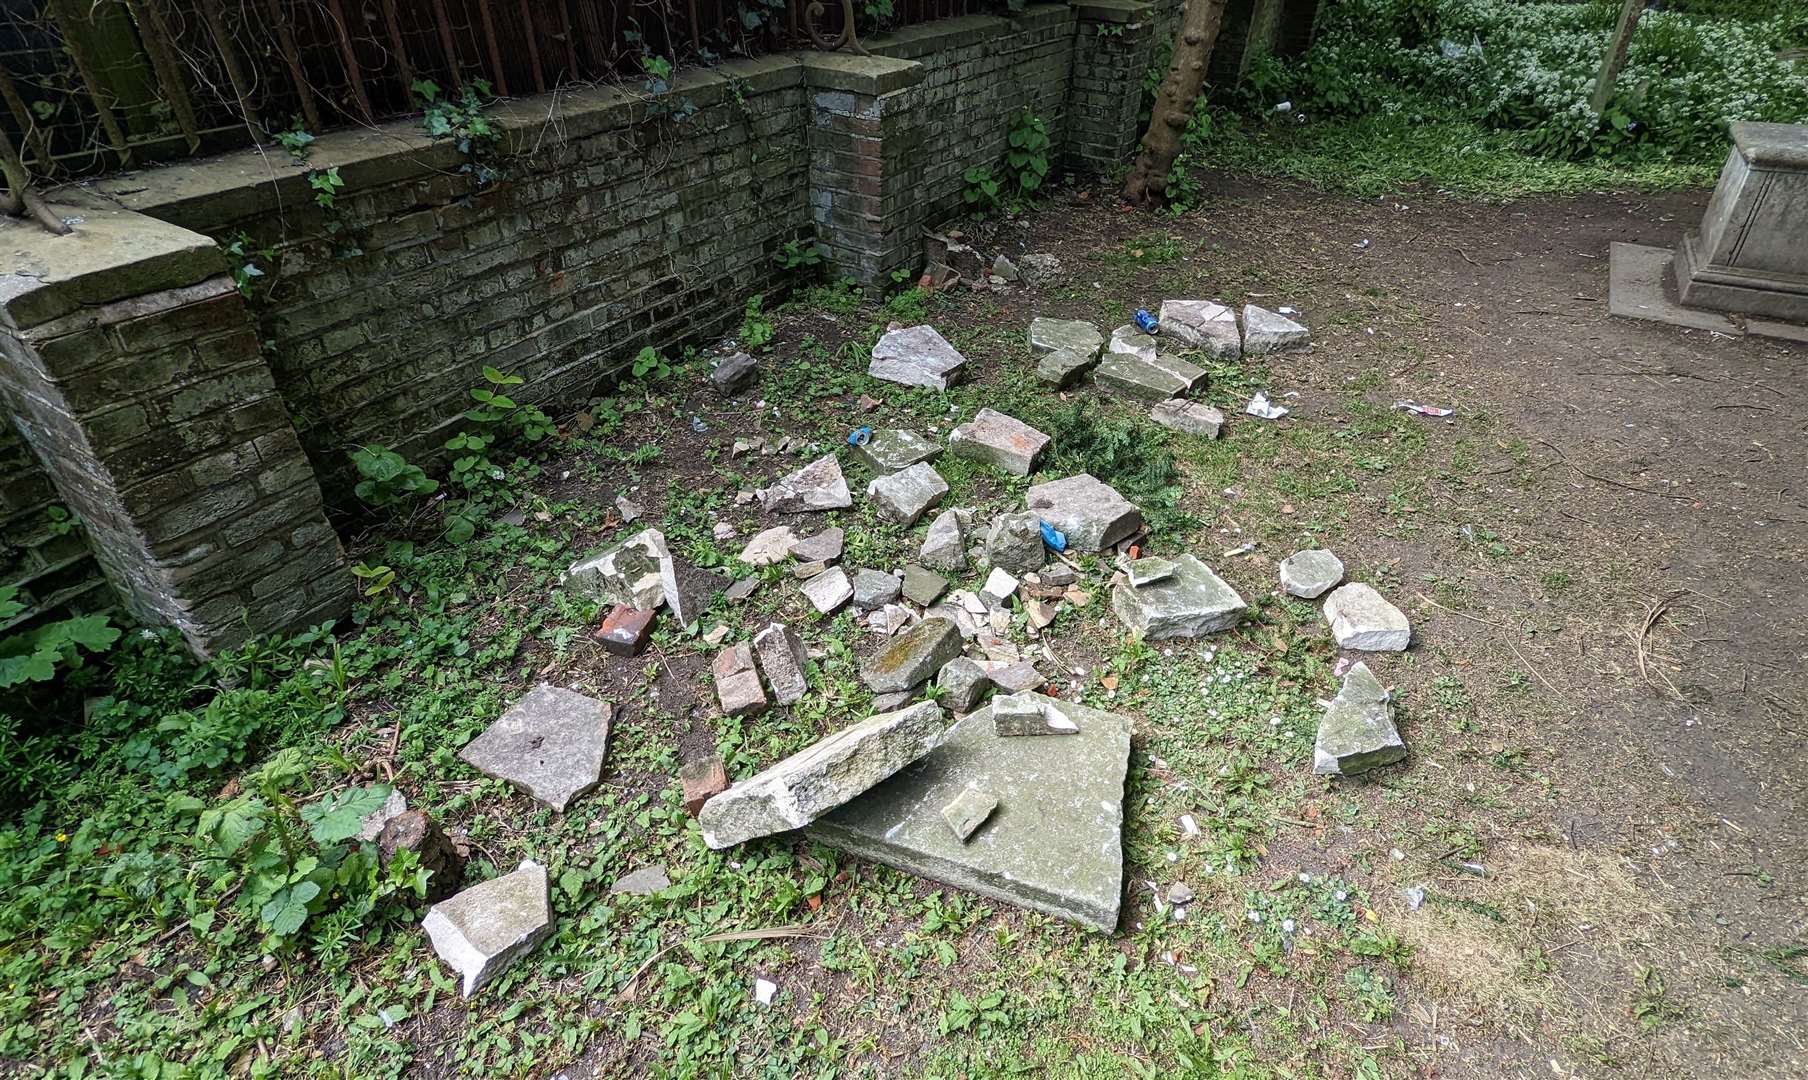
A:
(1148, 181)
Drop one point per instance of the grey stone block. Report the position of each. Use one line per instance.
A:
(551, 744)
(1357, 732)
(487, 927)
(1190, 602)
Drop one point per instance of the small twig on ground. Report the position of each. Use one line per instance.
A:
(1465, 256)
(1610, 480)
(627, 991)
(1652, 615)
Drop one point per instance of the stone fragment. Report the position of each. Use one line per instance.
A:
(1089, 511)
(917, 356)
(628, 509)
(1149, 570)
(1357, 732)
(817, 486)
(892, 450)
(1209, 326)
(1040, 613)
(913, 656)
(1181, 893)
(968, 812)
(734, 374)
(1266, 332)
(1015, 543)
(687, 588)
(782, 657)
(874, 589)
(804, 571)
(1311, 573)
(1063, 367)
(1069, 335)
(717, 635)
(627, 573)
(372, 826)
(769, 547)
(897, 699)
(434, 851)
(485, 928)
(890, 619)
(1361, 619)
(1152, 379)
(1027, 714)
(1000, 586)
(1001, 441)
(803, 787)
(723, 531)
(1057, 575)
(1004, 269)
(829, 590)
(1054, 843)
(961, 684)
(825, 547)
(625, 631)
(738, 681)
(1012, 676)
(922, 586)
(945, 546)
(1190, 602)
(741, 590)
(702, 779)
(907, 494)
(1039, 267)
(1188, 417)
(550, 744)
(645, 881)
(1129, 340)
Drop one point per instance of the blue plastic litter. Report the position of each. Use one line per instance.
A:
(860, 436)
(1146, 321)
(1053, 537)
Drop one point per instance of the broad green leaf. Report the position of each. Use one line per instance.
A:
(339, 816)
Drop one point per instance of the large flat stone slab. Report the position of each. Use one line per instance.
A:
(1190, 602)
(1053, 844)
(550, 744)
(917, 356)
(487, 927)
(892, 450)
(1063, 367)
(1001, 441)
(908, 494)
(806, 785)
(1091, 512)
(817, 486)
(1151, 379)
(1072, 335)
(1208, 326)
(1357, 732)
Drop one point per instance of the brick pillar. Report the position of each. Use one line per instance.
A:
(132, 367)
(866, 163)
(1114, 44)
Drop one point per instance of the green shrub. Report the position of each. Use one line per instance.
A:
(36, 655)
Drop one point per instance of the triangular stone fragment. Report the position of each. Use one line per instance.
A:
(1357, 732)
(817, 486)
(1208, 326)
(1265, 331)
(485, 928)
(1131, 341)
(1089, 511)
(550, 744)
(1054, 843)
(1190, 602)
(628, 573)
(917, 356)
(1362, 619)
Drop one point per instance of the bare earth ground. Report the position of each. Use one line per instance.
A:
(1602, 557)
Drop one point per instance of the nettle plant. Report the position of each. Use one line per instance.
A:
(1026, 162)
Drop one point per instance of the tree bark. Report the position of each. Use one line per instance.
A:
(1147, 184)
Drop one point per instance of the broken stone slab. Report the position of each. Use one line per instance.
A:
(1129, 340)
(824, 547)
(702, 779)
(828, 590)
(1311, 573)
(906, 495)
(1012, 676)
(741, 590)
(1063, 367)
(1004, 269)
(968, 812)
(1357, 732)
(803, 787)
(628, 573)
(1190, 602)
(922, 586)
(1015, 543)
(1149, 570)
(769, 547)
(917, 356)
(1152, 379)
(893, 450)
(735, 373)
(645, 881)
(1065, 335)
(625, 631)
(487, 927)
(1188, 417)
(1266, 331)
(873, 589)
(782, 658)
(550, 744)
(738, 681)
(1000, 586)
(945, 546)
(817, 486)
(1361, 619)
(804, 571)
(913, 656)
(961, 684)
(1089, 511)
(1040, 613)
(1001, 441)
(1209, 326)
(1039, 267)
(1054, 843)
(1026, 714)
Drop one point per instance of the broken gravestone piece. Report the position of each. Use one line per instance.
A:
(1063, 367)
(645, 881)
(907, 494)
(1209, 326)
(484, 929)
(801, 788)
(1000, 586)
(1152, 379)
(1265, 331)
(961, 684)
(828, 590)
(1190, 602)
(702, 779)
(1088, 511)
(968, 812)
(893, 450)
(1015, 543)
(687, 588)
(1053, 846)
(873, 589)
(1026, 714)
(1069, 335)
(1311, 573)
(393, 804)
(1357, 732)
(627, 573)
(1360, 619)
(782, 657)
(913, 656)
(945, 546)
(738, 681)
(1001, 441)
(1129, 340)
(922, 586)
(769, 547)
(1012, 676)
(735, 373)
(1188, 417)
(817, 486)
(824, 547)
(550, 744)
(1148, 570)
(434, 851)
(917, 356)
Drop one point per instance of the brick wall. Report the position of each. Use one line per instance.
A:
(52, 568)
